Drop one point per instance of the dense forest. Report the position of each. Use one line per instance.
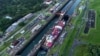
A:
(16, 9)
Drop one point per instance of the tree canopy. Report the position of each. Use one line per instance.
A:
(16, 9)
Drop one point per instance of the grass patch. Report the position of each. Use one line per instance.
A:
(82, 50)
(93, 36)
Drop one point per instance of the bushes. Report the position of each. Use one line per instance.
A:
(94, 50)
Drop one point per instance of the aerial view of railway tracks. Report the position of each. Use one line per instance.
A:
(49, 28)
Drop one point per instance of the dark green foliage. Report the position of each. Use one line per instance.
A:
(16, 9)
(94, 50)
(21, 24)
